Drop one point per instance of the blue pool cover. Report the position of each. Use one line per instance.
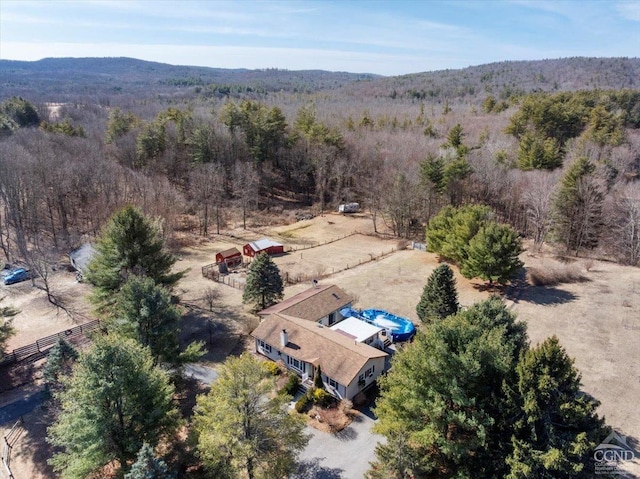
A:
(401, 329)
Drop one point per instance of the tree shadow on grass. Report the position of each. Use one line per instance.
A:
(546, 296)
(347, 434)
(222, 331)
(493, 288)
(312, 469)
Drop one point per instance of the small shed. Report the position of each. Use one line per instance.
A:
(264, 245)
(81, 257)
(231, 257)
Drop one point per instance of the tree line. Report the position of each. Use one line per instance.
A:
(403, 161)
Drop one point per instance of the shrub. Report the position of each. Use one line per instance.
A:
(292, 385)
(403, 244)
(346, 406)
(322, 398)
(303, 404)
(272, 368)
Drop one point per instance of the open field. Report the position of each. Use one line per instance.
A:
(38, 317)
(597, 320)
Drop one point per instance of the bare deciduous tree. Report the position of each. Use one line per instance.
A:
(624, 237)
(207, 189)
(538, 201)
(246, 185)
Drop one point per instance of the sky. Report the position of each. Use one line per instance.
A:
(360, 36)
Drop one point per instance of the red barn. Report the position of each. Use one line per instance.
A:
(231, 257)
(264, 245)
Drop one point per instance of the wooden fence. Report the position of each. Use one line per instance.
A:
(41, 346)
(214, 275)
(7, 444)
(211, 271)
(290, 279)
(291, 249)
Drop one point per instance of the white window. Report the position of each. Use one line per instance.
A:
(265, 347)
(294, 363)
(332, 383)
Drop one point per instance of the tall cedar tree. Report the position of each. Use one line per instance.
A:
(149, 466)
(130, 244)
(115, 401)
(492, 254)
(317, 378)
(264, 284)
(441, 405)
(557, 429)
(439, 298)
(242, 428)
(143, 311)
(578, 207)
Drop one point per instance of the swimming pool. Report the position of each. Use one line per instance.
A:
(401, 329)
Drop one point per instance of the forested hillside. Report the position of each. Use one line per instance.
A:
(70, 77)
(505, 79)
(552, 147)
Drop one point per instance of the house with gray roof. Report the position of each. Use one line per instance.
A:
(347, 366)
(307, 331)
(321, 304)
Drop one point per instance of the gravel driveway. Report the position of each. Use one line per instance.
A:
(345, 455)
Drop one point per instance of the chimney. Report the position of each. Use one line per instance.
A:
(284, 338)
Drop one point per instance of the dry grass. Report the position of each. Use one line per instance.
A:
(554, 273)
(331, 420)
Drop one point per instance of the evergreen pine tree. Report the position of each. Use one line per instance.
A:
(20, 111)
(557, 428)
(59, 361)
(148, 466)
(6, 326)
(578, 207)
(114, 401)
(129, 245)
(441, 405)
(243, 430)
(450, 231)
(432, 173)
(264, 284)
(439, 298)
(143, 311)
(492, 254)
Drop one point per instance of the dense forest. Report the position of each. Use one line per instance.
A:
(552, 147)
